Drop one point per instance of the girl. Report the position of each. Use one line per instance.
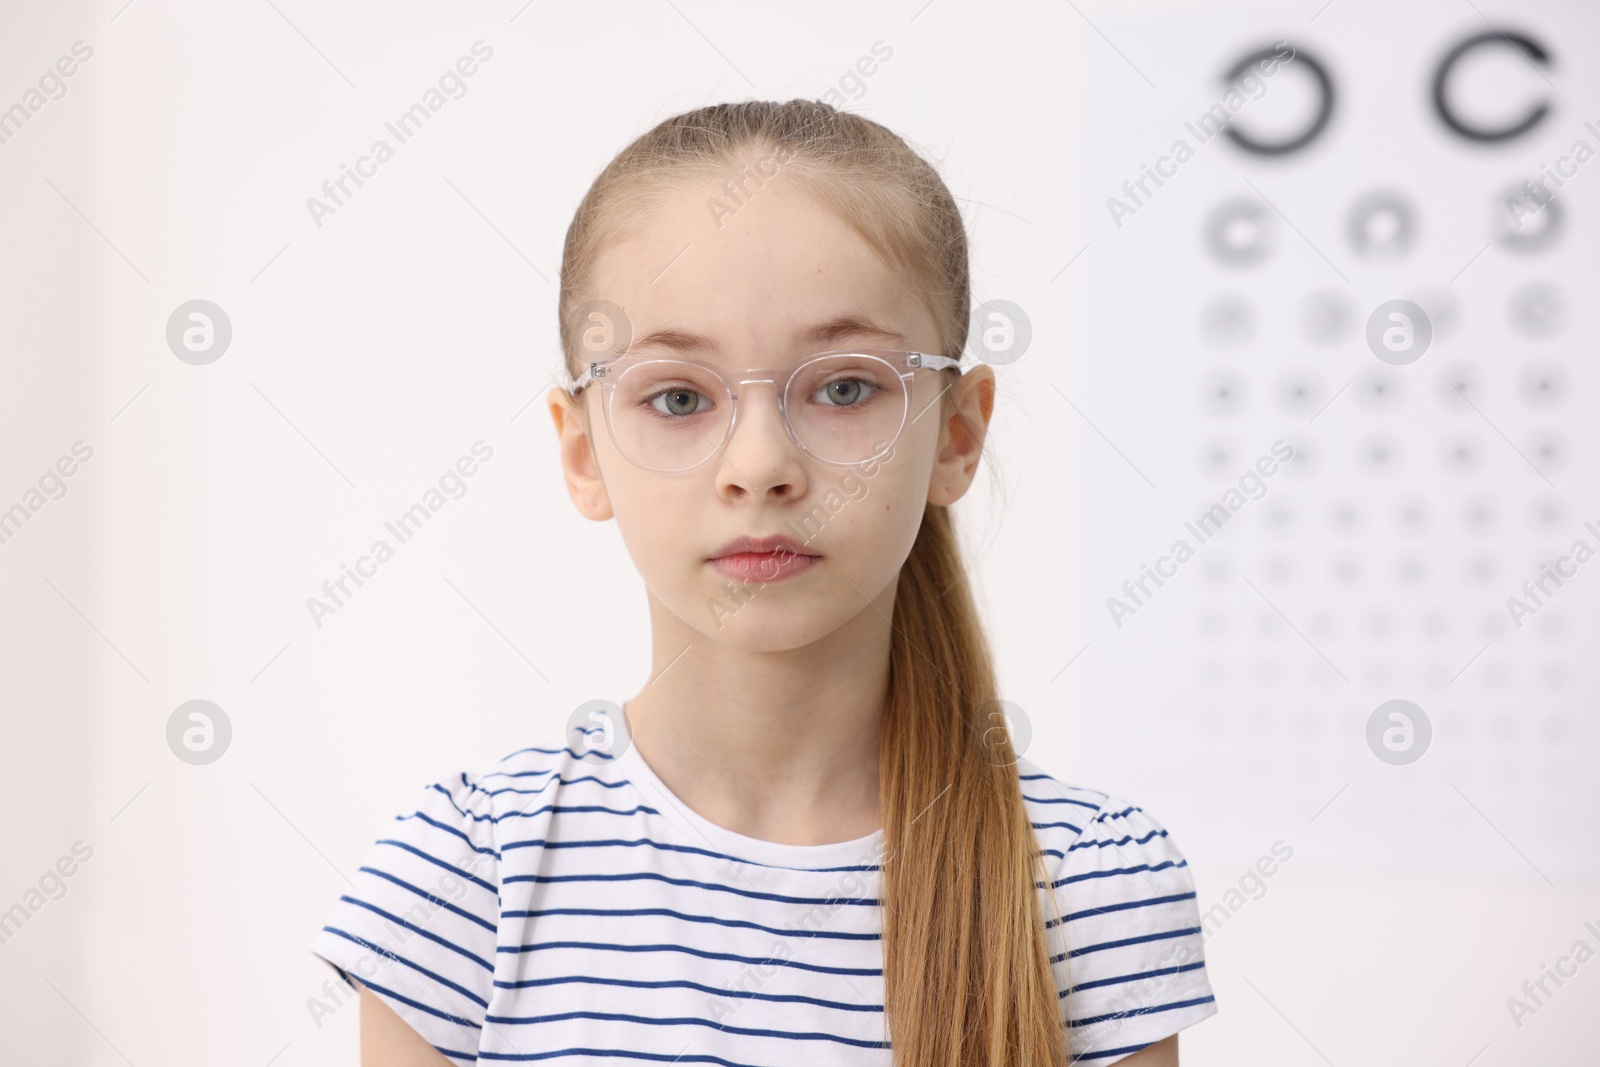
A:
(807, 839)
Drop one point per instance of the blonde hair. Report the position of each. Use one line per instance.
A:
(967, 969)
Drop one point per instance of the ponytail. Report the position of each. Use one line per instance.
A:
(967, 975)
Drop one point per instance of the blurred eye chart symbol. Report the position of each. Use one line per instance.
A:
(1454, 166)
(1239, 232)
(1381, 225)
(198, 732)
(199, 332)
(597, 731)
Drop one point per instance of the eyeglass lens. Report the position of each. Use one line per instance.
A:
(669, 415)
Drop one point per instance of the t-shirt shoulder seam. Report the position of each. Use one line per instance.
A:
(1078, 796)
(520, 764)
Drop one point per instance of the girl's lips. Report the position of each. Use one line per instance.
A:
(763, 566)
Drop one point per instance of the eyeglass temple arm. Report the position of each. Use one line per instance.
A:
(932, 362)
(914, 359)
(587, 378)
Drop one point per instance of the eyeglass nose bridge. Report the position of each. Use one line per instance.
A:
(779, 379)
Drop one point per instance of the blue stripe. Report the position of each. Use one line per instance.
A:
(1061, 800)
(687, 1021)
(619, 784)
(1114, 872)
(1103, 1053)
(1104, 815)
(474, 879)
(635, 810)
(534, 748)
(690, 849)
(451, 798)
(864, 972)
(449, 830)
(1120, 841)
(516, 774)
(396, 957)
(737, 923)
(1053, 825)
(429, 897)
(550, 879)
(568, 751)
(1105, 909)
(680, 983)
(525, 814)
(480, 961)
(686, 1057)
(1123, 979)
(1142, 1011)
(1126, 941)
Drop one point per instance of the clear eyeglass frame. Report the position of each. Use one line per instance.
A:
(601, 372)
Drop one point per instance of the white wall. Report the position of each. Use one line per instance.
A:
(372, 350)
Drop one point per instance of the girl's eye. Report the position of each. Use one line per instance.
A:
(679, 402)
(846, 392)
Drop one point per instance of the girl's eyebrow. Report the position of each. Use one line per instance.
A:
(813, 338)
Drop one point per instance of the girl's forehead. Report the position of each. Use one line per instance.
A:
(781, 231)
(782, 265)
(710, 300)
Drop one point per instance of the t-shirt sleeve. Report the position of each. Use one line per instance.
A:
(418, 924)
(1134, 970)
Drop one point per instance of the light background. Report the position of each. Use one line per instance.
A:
(372, 351)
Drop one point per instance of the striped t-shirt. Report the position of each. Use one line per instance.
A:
(557, 909)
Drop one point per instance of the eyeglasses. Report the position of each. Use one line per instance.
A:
(844, 408)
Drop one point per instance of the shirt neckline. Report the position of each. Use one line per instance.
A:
(699, 830)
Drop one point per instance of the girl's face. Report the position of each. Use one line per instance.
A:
(781, 265)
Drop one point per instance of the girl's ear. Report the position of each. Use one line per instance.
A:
(961, 436)
(580, 466)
